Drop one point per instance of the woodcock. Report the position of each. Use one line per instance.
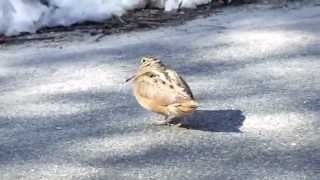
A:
(161, 90)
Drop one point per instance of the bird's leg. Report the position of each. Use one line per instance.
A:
(162, 121)
(182, 123)
(166, 121)
(170, 119)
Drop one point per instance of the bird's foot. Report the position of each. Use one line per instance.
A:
(169, 120)
(161, 123)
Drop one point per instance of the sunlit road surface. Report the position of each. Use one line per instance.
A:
(66, 113)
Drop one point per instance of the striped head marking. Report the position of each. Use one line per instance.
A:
(149, 60)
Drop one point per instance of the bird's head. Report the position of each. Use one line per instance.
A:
(148, 61)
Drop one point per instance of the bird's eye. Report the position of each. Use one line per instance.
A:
(143, 60)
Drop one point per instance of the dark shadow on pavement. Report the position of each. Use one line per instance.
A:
(215, 120)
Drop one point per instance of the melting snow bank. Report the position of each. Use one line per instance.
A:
(18, 16)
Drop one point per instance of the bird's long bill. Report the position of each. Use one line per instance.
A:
(130, 78)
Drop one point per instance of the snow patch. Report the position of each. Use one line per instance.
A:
(18, 16)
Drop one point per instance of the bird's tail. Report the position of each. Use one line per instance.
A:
(188, 106)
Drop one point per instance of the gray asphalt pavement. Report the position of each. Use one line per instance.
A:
(65, 112)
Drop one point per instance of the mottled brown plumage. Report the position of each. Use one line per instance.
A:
(162, 90)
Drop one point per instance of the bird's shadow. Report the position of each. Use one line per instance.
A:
(215, 120)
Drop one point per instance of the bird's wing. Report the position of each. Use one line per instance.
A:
(181, 84)
(152, 86)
